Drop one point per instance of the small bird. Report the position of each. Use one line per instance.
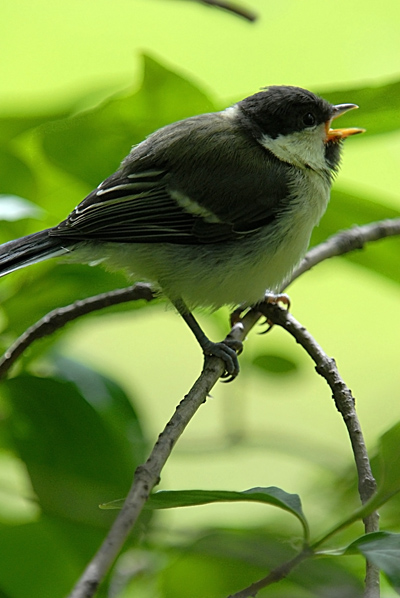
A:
(213, 210)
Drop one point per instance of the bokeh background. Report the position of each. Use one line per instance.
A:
(73, 73)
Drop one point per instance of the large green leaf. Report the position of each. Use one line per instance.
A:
(110, 402)
(91, 145)
(12, 126)
(16, 177)
(28, 547)
(379, 107)
(383, 550)
(51, 553)
(189, 498)
(75, 454)
(225, 561)
(389, 475)
(388, 485)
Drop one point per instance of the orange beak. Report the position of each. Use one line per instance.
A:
(339, 134)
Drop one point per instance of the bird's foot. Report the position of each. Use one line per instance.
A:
(278, 298)
(273, 299)
(228, 351)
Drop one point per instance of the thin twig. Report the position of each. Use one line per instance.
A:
(233, 8)
(59, 317)
(273, 576)
(345, 404)
(146, 477)
(346, 241)
(339, 244)
(341, 394)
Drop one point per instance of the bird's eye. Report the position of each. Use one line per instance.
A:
(309, 119)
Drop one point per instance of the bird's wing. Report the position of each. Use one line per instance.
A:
(139, 212)
(151, 200)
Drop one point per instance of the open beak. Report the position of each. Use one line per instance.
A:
(339, 134)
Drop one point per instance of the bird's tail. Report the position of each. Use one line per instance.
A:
(29, 250)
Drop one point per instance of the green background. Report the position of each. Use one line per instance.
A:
(266, 428)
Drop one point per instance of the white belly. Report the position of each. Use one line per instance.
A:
(231, 273)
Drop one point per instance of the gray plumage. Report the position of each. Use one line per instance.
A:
(216, 209)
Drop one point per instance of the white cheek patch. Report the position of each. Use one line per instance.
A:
(304, 149)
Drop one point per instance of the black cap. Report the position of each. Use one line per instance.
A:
(281, 110)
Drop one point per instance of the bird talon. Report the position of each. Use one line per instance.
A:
(278, 298)
(236, 315)
(227, 351)
(270, 325)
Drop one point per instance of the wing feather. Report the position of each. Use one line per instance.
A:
(150, 199)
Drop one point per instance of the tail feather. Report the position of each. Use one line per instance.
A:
(29, 250)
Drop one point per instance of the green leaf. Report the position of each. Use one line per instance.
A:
(12, 126)
(275, 364)
(92, 144)
(188, 498)
(388, 486)
(36, 543)
(389, 448)
(346, 210)
(110, 401)
(54, 552)
(383, 550)
(224, 561)
(379, 107)
(16, 177)
(76, 458)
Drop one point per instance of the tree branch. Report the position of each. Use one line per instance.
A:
(341, 394)
(274, 576)
(345, 404)
(339, 244)
(232, 7)
(61, 316)
(147, 476)
(346, 241)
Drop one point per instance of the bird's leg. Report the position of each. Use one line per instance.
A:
(226, 350)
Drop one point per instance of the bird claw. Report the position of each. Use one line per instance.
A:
(236, 315)
(274, 300)
(228, 351)
(270, 325)
(278, 298)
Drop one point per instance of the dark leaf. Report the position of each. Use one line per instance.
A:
(275, 364)
(383, 550)
(92, 144)
(189, 498)
(76, 458)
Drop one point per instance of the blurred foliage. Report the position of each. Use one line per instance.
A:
(77, 432)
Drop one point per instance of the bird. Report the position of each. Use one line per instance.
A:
(216, 209)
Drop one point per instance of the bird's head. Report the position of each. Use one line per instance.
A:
(295, 125)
